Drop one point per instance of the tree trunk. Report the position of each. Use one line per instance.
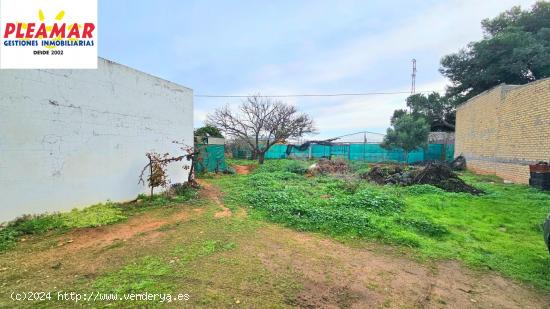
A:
(261, 157)
(191, 175)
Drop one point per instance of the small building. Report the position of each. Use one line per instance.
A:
(211, 157)
(72, 138)
(503, 130)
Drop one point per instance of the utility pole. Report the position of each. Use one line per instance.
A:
(413, 77)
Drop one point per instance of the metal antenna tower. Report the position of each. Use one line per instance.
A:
(413, 77)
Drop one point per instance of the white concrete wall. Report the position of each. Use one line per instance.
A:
(72, 138)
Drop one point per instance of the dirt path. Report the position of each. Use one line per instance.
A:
(138, 225)
(214, 194)
(244, 169)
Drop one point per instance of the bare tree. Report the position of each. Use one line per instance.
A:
(261, 122)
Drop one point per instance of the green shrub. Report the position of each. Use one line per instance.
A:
(297, 167)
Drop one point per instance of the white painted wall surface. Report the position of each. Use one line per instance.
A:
(72, 138)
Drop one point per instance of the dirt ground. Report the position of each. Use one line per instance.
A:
(338, 276)
(212, 193)
(330, 274)
(243, 169)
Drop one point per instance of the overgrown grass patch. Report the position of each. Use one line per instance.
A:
(92, 216)
(500, 230)
(96, 215)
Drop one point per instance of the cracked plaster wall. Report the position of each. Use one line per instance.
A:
(72, 138)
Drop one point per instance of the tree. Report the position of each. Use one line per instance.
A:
(409, 133)
(438, 111)
(261, 122)
(515, 50)
(398, 113)
(208, 130)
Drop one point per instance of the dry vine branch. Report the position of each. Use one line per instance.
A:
(191, 154)
(158, 163)
(157, 169)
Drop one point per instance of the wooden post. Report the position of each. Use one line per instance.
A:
(151, 175)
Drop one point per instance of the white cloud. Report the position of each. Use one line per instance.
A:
(444, 28)
(199, 116)
(365, 113)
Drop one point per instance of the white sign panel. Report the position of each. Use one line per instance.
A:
(48, 34)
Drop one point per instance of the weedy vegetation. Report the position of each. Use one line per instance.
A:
(500, 230)
(92, 216)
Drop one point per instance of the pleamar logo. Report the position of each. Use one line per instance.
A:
(56, 31)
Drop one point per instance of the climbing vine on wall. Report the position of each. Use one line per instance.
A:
(158, 164)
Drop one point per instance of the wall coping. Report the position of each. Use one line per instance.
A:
(504, 88)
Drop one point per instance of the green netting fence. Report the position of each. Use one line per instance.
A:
(356, 152)
(211, 158)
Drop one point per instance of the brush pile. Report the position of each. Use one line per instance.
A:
(324, 167)
(437, 174)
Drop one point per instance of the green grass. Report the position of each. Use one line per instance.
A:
(96, 215)
(206, 258)
(92, 216)
(201, 249)
(146, 274)
(500, 230)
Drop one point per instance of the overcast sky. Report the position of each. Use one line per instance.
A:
(287, 47)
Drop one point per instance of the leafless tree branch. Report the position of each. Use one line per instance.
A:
(262, 122)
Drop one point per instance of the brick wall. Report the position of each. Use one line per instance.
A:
(503, 130)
